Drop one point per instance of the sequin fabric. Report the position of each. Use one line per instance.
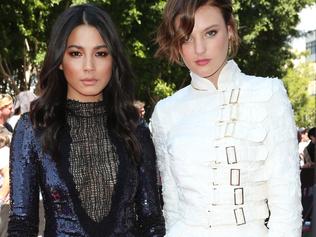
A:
(135, 209)
(93, 160)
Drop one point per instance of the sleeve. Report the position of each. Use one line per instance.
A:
(169, 188)
(150, 218)
(23, 182)
(284, 192)
(307, 158)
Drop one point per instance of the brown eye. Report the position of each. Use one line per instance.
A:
(74, 53)
(102, 54)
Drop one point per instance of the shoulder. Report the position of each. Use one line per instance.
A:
(265, 83)
(167, 106)
(262, 88)
(24, 122)
(4, 154)
(169, 102)
(142, 128)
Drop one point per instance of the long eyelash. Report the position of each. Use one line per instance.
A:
(74, 53)
(103, 53)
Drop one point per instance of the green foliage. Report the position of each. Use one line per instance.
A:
(296, 81)
(162, 89)
(265, 29)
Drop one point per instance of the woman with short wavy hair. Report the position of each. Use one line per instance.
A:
(226, 144)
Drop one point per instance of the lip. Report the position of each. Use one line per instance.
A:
(202, 62)
(89, 81)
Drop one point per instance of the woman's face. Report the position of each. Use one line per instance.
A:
(205, 50)
(6, 111)
(87, 64)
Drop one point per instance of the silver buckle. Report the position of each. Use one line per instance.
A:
(234, 177)
(238, 196)
(231, 155)
(240, 216)
(229, 129)
(234, 96)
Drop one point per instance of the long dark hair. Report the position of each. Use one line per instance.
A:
(48, 111)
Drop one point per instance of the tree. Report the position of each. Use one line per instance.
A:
(265, 29)
(24, 28)
(296, 81)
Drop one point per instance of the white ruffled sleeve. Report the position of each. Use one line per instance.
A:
(159, 128)
(284, 189)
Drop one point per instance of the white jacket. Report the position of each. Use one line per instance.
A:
(227, 157)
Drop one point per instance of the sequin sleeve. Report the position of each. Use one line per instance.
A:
(24, 189)
(148, 208)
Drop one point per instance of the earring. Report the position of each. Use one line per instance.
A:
(229, 50)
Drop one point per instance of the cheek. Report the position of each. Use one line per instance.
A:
(187, 54)
(70, 70)
(105, 69)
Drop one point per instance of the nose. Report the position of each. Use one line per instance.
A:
(199, 46)
(88, 63)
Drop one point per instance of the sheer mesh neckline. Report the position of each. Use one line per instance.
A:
(85, 109)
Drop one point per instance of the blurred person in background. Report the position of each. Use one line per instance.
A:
(21, 105)
(6, 111)
(5, 138)
(140, 106)
(309, 150)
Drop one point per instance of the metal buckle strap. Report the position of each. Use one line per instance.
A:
(231, 155)
(234, 177)
(239, 216)
(234, 96)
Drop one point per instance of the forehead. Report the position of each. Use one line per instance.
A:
(207, 16)
(85, 35)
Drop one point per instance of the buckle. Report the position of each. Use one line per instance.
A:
(234, 177)
(239, 216)
(231, 155)
(234, 96)
(229, 129)
(239, 196)
(228, 113)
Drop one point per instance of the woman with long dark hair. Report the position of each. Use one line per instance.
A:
(82, 143)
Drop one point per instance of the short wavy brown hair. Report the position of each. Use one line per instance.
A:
(171, 37)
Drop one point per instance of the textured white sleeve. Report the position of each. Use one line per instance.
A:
(158, 125)
(284, 189)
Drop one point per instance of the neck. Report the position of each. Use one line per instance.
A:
(214, 76)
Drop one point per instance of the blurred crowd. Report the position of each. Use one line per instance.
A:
(10, 111)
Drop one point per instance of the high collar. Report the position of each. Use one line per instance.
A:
(225, 79)
(85, 109)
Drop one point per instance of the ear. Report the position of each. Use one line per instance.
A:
(61, 67)
(230, 32)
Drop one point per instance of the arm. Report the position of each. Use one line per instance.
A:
(4, 171)
(148, 208)
(307, 159)
(5, 188)
(169, 188)
(24, 184)
(284, 189)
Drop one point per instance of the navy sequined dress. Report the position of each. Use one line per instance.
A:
(135, 210)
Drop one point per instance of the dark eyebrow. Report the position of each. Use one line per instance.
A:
(80, 47)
